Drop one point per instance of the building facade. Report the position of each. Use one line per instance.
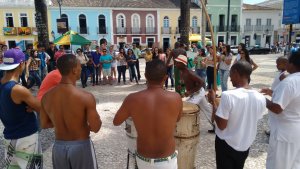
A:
(218, 14)
(260, 25)
(17, 23)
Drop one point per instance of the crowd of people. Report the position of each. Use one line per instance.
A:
(154, 110)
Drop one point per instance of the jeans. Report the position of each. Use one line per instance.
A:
(43, 72)
(170, 75)
(51, 66)
(224, 74)
(90, 70)
(23, 78)
(121, 71)
(210, 77)
(84, 75)
(133, 75)
(96, 75)
(137, 65)
(201, 73)
(34, 78)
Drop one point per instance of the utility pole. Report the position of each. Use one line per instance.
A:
(228, 28)
(203, 26)
(41, 20)
(185, 21)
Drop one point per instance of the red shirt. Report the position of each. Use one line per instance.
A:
(50, 81)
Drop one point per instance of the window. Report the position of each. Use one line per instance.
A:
(136, 41)
(234, 19)
(150, 42)
(23, 19)
(166, 22)
(207, 25)
(64, 16)
(82, 24)
(269, 22)
(258, 22)
(102, 24)
(9, 20)
(135, 21)
(194, 21)
(248, 22)
(121, 21)
(150, 21)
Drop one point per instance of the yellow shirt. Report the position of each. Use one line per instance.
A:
(148, 57)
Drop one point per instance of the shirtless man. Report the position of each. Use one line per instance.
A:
(194, 87)
(155, 119)
(72, 112)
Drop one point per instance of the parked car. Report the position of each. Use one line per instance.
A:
(258, 50)
(234, 49)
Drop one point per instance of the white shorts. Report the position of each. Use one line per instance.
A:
(283, 155)
(106, 72)
(170, 163)
(22, 153)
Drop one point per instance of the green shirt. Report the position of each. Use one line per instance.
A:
(137, 52)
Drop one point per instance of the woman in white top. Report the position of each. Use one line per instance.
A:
(224, 66)
(83, 60)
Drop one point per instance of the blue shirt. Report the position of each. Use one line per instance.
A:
(96, 57)
(132, 57)
(104, 58)
(42, 56)
(17, 122)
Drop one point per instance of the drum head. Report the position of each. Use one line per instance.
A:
(189, 108)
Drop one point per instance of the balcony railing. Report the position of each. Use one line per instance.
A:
(135, 30)
(195, 30)
(150, 30)
(248, 28)
(234, 28)
(221, 28)
(258, 28)
(166, 30)
(121, 30)
(83, 30)
(102, 30)
(269, 27)
(208, 29)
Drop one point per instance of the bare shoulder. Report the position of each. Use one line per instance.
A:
(85, 95)
(173, 95)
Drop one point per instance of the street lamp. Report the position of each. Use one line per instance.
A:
(228, 29)
(59, 4)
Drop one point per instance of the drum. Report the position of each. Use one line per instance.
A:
(188, 125)
(130, 128)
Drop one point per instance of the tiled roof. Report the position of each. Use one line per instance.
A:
(123, 3)
(256, 7)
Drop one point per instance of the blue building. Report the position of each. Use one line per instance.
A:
(93, 23)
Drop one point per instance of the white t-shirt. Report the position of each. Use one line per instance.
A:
(242, 108)
(287, 95)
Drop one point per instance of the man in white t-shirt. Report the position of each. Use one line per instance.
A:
(236, 118)
(284, 143)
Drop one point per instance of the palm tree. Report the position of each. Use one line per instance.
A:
(185, 6)
(41, 20)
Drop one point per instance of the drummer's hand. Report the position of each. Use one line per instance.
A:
(211, 96)
(266, 91)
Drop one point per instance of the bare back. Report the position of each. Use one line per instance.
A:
(155, 113)
(192, 82)
(70, 110)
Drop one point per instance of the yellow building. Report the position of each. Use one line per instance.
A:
(169, 20)
(17, 23)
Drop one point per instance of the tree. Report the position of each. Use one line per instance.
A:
(184, 28)
(41, 20)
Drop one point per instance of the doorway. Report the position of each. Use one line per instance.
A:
(166, 43)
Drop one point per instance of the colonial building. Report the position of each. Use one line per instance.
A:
(17, 23)
(260, 25)
(218, 14)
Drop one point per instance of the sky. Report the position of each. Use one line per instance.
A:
(253, 1)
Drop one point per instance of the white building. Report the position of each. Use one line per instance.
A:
(260, 25)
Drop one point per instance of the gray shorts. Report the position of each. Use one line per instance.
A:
(74, 154)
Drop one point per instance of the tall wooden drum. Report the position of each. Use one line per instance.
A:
(187, 135)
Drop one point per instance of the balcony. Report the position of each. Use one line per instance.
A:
(121, 30)
(195, 30)
(221, 28)
(102, 30)
(83, 30)
(258, 28)
(135, 30)
(234, 28)
(269, 27)
(248, 28)
(150, 30)
(208, 28)
(166, 30)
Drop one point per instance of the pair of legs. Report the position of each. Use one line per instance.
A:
(224, 74)
(210, 77)
(113, 72)
(132, 72)
(107, 78)
(84, 75)
(170, 75)
(96, 75)
(137, 65)
(34, 78)
(202, 74)
(121, 71)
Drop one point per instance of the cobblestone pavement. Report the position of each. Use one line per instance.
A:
(111, 142)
